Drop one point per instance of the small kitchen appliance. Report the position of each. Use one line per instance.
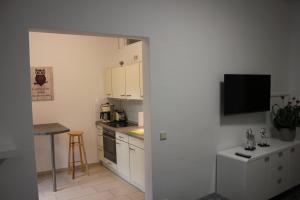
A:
(106, 112)
(120, 116)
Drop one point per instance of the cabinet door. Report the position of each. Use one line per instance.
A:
(279, 172)
(133, 81)
(122, 158)
(258, 179)
(118, 82)
(294, 172)
(108, 82)
(100, 147)
(141, 81)
(137, 166)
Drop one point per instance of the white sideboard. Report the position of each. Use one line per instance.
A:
(269, 172)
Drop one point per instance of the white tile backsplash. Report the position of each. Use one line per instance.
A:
(130, 107)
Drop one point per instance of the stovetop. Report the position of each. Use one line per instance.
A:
(120, 124)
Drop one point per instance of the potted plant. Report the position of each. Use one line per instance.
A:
(286, 118)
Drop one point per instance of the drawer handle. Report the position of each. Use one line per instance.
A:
(108, 94)
(121, 137)
(280, 154)
(129, 95)
(123, 95)
(280, 168)
(267, 159)
(292, 150)
(117, 143)
(279, 181)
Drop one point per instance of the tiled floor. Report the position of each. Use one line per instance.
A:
(102, 184)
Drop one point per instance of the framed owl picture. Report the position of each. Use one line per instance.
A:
(42, 83)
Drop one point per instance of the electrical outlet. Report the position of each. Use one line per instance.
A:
(163, 135)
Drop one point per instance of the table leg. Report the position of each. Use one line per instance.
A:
(53, 163)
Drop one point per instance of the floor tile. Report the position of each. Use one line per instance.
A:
(102, 184)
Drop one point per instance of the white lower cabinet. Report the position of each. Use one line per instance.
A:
(294, 165)
(123, 159)
(137, 166)
(100, 150)
(131, 160)
(258, 173)
(269, 171)
(279, 172)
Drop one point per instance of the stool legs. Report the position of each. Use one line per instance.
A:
(84, 155)
(80, 153)
(71, 154)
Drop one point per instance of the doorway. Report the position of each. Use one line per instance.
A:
(79, 65)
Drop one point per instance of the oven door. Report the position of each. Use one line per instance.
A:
(109, 144)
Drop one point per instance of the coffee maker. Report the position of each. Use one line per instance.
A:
(106, 112)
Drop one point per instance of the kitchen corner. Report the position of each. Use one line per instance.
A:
(121, 149)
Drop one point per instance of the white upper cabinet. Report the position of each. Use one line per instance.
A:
(133, 81)
(108, 82)
(118, 82)
(127, 82)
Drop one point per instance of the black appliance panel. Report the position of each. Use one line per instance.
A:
(109, 144)
(245, 93)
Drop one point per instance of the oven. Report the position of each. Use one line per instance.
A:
(109, 145)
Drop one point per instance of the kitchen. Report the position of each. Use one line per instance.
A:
(89, 72)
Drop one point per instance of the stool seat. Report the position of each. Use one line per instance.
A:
(82, 154)
(75, 133)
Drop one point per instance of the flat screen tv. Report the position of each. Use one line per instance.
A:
(245, 93)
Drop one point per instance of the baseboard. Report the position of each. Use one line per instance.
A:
(49, 172)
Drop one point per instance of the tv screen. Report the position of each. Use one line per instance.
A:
(244, 93)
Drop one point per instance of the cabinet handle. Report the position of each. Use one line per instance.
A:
(267, 159)
(123, 95)
(121, 137)
(108, 94)
(279, 181)
(293, 150)
(280, 168)
(280, 154)
(128, 95)
(117, 143)
(131, 149)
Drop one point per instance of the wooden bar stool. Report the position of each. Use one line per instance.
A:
(72, 144)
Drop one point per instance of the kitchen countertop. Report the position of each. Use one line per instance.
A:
(48, 129)
(124, 130)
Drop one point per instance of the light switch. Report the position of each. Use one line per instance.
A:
(163, 135)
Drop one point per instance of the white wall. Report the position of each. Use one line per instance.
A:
(294, 59)
(127, 53)
(192, 44)
(294, 56)
(78, 71)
